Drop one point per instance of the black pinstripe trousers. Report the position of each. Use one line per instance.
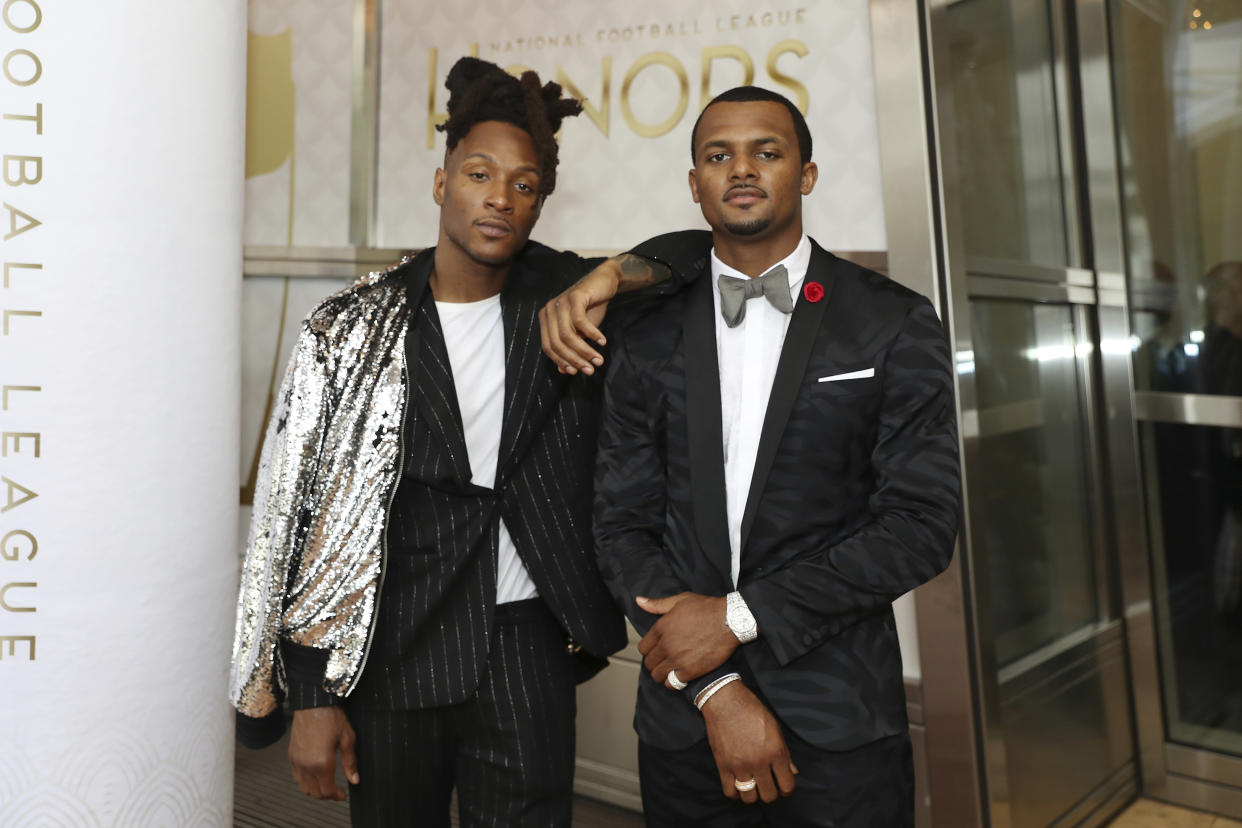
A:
(509, 750)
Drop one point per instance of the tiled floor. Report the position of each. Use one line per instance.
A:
(1147, 813)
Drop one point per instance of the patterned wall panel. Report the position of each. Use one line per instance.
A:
(298, 122)
(642, 69)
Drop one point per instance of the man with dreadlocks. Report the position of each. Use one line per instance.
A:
(419, 583)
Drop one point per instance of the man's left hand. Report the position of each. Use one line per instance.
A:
(691, 638)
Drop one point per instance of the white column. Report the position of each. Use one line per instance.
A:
(119, 359)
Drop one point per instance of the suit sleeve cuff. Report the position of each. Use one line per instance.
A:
(772, 628)
(304, 671)
(305, 696)
(258, 733)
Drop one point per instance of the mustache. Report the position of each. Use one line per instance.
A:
(748, 187)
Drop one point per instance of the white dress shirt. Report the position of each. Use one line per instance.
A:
(474, 336)
(748, 355)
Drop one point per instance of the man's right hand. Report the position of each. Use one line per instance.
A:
(317, 734)
(747, 743)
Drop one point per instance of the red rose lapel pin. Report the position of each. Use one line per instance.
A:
(813, 291)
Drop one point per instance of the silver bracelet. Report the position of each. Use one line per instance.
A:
(711, 689)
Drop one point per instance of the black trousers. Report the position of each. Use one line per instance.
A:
(869, 787)
(509, 750)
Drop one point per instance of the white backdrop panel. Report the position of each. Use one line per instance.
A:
(114, 700)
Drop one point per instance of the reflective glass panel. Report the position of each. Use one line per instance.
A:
(1178, 72)
(1004, 112)
(1031, 514)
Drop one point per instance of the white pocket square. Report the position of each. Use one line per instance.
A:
(869, 372)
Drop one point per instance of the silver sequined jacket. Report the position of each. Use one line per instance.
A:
(326, 478)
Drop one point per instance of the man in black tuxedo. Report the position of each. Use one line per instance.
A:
(772, 474)
(419, 583)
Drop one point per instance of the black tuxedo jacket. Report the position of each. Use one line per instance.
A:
(854, 498)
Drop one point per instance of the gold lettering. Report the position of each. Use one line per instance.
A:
(4, 395)
(37, 118)
(800, 94)
(22, 162)
(38, 16)
(14, 485)
(730, 52)
(14, 230)
(434, 119)
(4, 603)
(683, 99)
(8, 313)
(12, 553)
(13, 641)
(16, 437)
(8, 72)
(10, 265)
(516, 69)
(599, 116)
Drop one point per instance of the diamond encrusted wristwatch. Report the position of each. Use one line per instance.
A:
(739, 618)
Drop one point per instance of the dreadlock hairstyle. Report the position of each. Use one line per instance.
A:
(481, 91)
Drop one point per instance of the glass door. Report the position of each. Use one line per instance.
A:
(1177, 70)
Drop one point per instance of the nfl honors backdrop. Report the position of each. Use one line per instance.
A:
(122, 142)
(644, 70)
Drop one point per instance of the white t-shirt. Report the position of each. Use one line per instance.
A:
(474, 335)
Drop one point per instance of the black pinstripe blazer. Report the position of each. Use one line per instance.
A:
(438, 594)
(854, 498)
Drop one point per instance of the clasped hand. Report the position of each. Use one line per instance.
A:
(691, 637)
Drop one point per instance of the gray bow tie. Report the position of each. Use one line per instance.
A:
(734, 292)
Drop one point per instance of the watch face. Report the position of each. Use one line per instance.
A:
(740, 620)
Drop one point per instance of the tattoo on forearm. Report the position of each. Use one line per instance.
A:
(637, 272)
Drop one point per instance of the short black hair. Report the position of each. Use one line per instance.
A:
(747, 94)
(482, 91)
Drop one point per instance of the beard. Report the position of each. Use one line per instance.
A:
(748, 226)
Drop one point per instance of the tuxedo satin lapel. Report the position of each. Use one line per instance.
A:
(531, 380)
(430, 373)
(790, 372)
(706, 442)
